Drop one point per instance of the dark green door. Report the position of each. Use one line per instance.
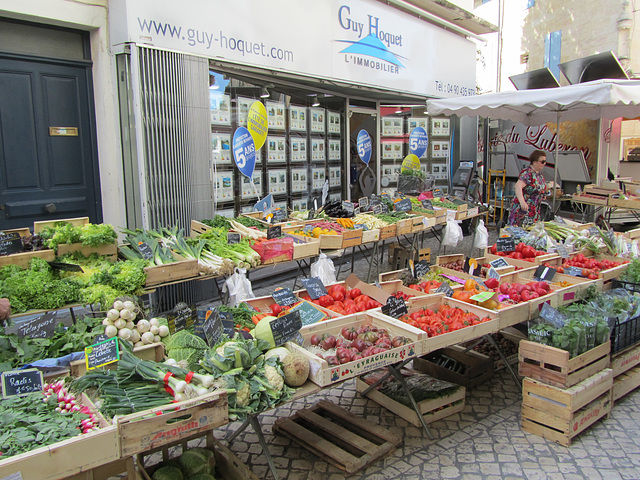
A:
(48, 160)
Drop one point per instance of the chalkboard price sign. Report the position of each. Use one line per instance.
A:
(233, 238)
(286, 327)
(403, 205)
(471, 266)
(499, 263)
(212, 328)
(395, 307)
(575, 271)
(21, 382)
(427, 205)
(445, 288)
(363, 202)
(274, 232)
(40, 327)
(543, 273)
(145, 251)
(181, 318)
(284, 297)
(553, 316)
(594, 231)
(279, 215)
(10, 243)
(505, 244)
(102, 353)
(422, 268)
(309, 314)
(437, 193)
(493, 274)
(314, 287)
(347, 206)
(377, 208)
(562, 251)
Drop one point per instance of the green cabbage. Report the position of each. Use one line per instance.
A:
(193, 462)
(168, 473)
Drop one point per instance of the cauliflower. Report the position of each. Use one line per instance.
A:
(243, 395)
(274, 378)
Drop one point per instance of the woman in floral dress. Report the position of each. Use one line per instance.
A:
(530, 190)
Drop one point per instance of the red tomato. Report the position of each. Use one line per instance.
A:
(354, 292)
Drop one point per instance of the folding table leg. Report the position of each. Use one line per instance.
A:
(255, 424)
(492, 341)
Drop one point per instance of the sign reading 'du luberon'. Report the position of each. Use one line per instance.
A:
(418, 141)
(258, 124)
(364, 146)
(244, 151)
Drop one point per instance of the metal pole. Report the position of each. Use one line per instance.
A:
(555, 167)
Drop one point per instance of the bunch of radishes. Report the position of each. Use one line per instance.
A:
(120, 321)
(67, 404)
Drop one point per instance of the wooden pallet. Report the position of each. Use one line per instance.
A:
(337, 436)
(560, 415)
(554, 367)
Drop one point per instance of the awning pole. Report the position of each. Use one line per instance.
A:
(555, 167)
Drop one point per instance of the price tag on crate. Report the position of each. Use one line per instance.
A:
(499, 263)
(347, 206)
(145, 250)
(575, 271)
(102, 353)
(551, 315)
(315, 287)
(40, 327)
(212, 327)
(21, 382)
(279, 214)
(309, 313)
(471, 266)
(427, 205)
(363, 202)
(445, 288)
(377, 208)
(437, 193)
(360, 226)
(593, 231)
(403, 205)
(10, 243)
(562, 251)
(286, 327)
(482, 296)
(308, 228)
(422, 268)
(492, 273)
(233, 238)
(284, 297)
(545, 274)
(181, 318)
(395, 307)
(505, 244)
(274, 232)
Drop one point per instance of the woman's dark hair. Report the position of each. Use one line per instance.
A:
(536, 155)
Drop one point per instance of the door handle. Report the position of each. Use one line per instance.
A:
(50, 207)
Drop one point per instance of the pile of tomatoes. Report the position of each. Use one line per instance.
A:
(522, 252)
(425, 287)
(345, 302)
(590, 266)
(508, 293)
(356, 343)
(445, 319)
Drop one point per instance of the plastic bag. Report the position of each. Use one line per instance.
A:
(452, 234)
(239, 287)
(324, 270)
(481, 239)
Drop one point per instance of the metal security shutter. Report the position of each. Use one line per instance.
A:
(174, 137)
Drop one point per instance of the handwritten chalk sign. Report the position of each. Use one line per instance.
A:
(212, 327)
(347, 206)
(21, 382)
(377, 208)
(233, 238)
(575, 271)
(10, 243)
(145, 250)
(427, 205)
(422, 268)
(505, 244)
(445, 288)
(314, 287)
(274, 232)
(286, 327)
(493, 274)
(363, 202)
(284, 297)
(181, 318)
(562, 251)
(499, 263)
(101, 354)
(279, 215)
(553, 316)
(40, 327)
(309, 313)
(403, 205)
(395, 307)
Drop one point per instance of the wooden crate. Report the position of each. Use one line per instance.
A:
(550, 259)
(388, 231)
(562, 414)
(309, 248)
(67, 458)
(626, 360)
(121, 468)
(393, 275)
(351, 238)
(153, 352)
(567, 295)
(417, 223)
(76, 222)
(142, 431)
(337, 436)
(372, 235)
(625, 383)
(197, 228)
(228, 466)
(431, 410)
(171, 272)
(403, 227)
(553, 366)
(22, 259)
(323, 374)
(478, 368)
(110, 251)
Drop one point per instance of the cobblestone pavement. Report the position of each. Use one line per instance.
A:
(483, 442)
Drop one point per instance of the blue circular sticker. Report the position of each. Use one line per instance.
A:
(418, 141)
(364, 146)
(244, 151)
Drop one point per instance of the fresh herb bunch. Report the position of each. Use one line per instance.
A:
(218, 221)
(632, 273)
(92, 235)
(250, 222)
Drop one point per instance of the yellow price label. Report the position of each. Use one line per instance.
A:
(257, 124)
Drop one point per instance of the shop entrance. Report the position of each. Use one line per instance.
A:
(363, 178)
(48, 153)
